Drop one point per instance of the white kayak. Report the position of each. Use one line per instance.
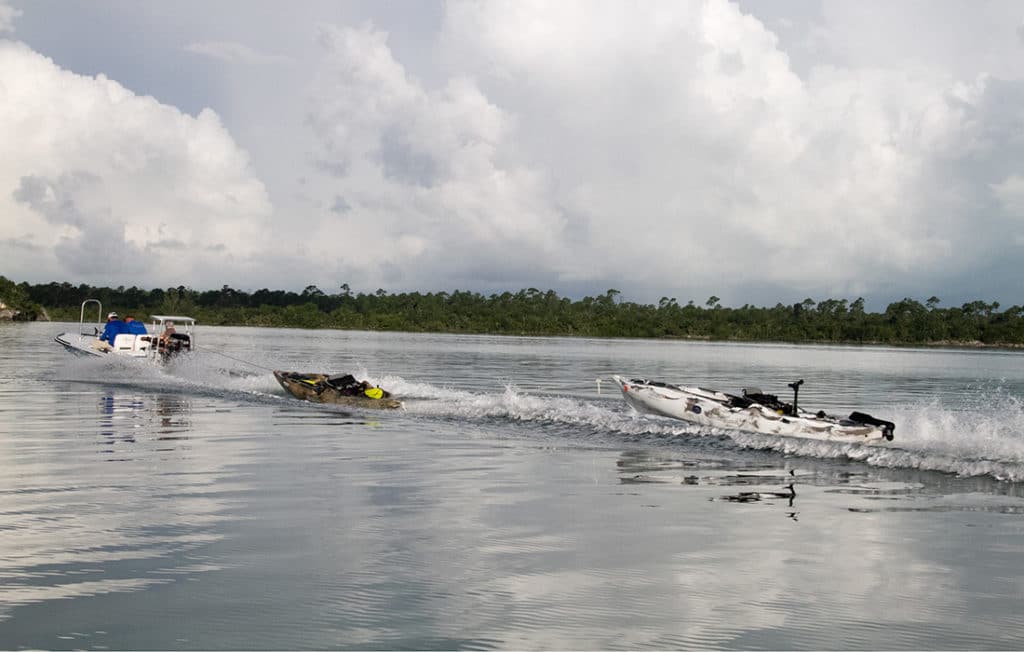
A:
(754, 411)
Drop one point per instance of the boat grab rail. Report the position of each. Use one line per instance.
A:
(81, 316)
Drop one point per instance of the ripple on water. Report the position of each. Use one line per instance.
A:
(509, 506)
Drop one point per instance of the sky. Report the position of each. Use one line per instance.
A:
(758, 152)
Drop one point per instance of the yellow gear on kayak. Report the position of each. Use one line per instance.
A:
(375, 392)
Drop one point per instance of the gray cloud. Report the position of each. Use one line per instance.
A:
(339, 205)
(232, 52)
(24, 243)
(8, 15)
(96, 246)
(169, 245)
(54, 199)
(333, 168)
(401, 161)
(100, 252)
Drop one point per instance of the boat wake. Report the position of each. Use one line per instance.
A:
(187, 375)
(930, 437)
(965, 440)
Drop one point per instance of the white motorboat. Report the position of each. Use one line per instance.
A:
(754, 411)
(168, 335)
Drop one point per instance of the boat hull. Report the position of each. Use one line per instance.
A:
(78, 344)
(89, 345)
(309, 387)
(135, 347)
(709, 408)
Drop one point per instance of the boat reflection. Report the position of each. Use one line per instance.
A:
(851, 486)
(125, 418)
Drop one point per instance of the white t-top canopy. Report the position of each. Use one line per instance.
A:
(175, 318)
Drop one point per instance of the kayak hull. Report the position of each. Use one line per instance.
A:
(310, 387)
(711, 409)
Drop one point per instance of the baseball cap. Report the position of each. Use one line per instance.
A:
(111, 315)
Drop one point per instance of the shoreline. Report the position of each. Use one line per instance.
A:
(939, 344)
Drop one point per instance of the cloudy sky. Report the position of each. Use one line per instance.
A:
(760, 152)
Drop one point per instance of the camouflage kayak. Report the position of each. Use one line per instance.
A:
(341, 390)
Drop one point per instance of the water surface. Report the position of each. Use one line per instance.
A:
(508, 505)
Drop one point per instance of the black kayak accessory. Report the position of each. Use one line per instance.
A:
(796, 390)
(887, 426)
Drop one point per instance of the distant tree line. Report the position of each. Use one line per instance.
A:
(15, 302)
(535, 312)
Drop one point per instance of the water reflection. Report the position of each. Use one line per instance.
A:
(861, 490)
(74, 526)
(125, 419)
(858, 547)
(220, 516)
(175, 417)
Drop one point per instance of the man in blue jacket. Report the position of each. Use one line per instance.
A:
(113, 328)
(134, 327)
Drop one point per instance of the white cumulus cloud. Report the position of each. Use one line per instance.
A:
(760, 152)
(659, 145)
(424, 174)
(101, 185)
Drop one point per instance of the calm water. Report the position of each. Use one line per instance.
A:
(509, 505)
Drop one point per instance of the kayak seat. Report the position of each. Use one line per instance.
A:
(344, 379)
(738, 401)
(345, 384)
(769, 401)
